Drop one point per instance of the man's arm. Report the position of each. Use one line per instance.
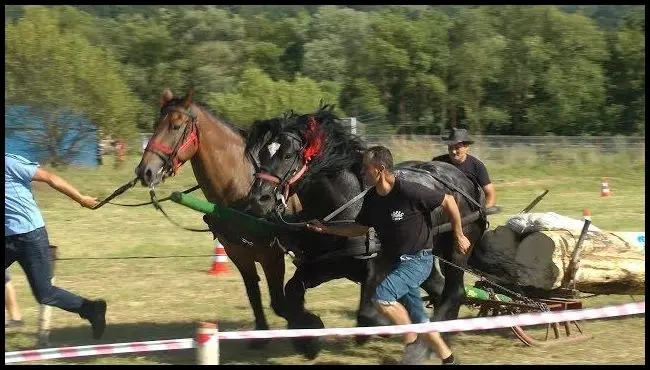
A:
(451, 209)
(350, 230)
(64, 187)
(490, 195)
(486, 184)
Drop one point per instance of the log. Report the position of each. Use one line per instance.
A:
(608, 265)
(496, 252)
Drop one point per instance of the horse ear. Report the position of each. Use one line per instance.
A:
(167, 95)
(188, 98)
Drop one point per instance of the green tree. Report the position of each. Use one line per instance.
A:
(477, 55)
(53, 71)
(625, 112)
(258, 97)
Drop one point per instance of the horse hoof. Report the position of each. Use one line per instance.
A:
(308, 347)
(258, 343)
(360, 340)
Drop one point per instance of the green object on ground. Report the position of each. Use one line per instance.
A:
(477, 293)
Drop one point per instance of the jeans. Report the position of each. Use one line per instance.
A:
(31, 250)
(403, 284)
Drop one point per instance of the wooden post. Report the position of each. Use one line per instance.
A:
(574, 264)
(206, 344)
(45, 311)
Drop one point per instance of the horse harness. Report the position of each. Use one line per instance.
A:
(283, 183)
(189, 138)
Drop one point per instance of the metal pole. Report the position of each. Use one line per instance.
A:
(572, 270)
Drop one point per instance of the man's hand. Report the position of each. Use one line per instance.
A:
(316, 225)
(463, 244)
(88, 201)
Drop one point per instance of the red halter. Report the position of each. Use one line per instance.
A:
(189, 140)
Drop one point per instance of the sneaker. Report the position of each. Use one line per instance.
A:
(455, 362)
(95, 313)
(415, 353)
(14, 324)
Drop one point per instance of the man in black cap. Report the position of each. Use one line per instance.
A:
(458, 145)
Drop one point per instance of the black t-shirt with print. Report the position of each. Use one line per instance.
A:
(472, 167)
(401, 218)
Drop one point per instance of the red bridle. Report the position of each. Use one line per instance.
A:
(314, 138)
(265, 176)
(189, 140)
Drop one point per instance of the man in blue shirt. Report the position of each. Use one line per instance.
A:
(26, 239)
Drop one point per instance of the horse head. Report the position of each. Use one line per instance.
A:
(292, 150)
(175, 139)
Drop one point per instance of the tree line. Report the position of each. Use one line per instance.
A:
(520, 70)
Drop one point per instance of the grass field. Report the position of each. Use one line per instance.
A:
(153, 299)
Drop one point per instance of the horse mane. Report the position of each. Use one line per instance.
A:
(333, 147)
(176, 101)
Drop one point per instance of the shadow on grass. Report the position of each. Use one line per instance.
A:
(231, 351)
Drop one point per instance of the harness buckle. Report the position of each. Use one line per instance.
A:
(280, 197)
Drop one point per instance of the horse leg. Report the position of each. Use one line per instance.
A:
(273, 264)
(299, 318)
(306, 277)
(434, 284)
(245, 263)
(368, 314)
(453, 293)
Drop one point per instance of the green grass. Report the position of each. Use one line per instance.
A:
(152, 299)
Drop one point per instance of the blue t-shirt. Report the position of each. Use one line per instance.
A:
(21, 212)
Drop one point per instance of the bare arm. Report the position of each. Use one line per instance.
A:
(64, 187)
(490, 195)
(350, 230)
(451, 208)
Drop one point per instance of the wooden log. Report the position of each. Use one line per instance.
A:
(496, 253)
(608, 265)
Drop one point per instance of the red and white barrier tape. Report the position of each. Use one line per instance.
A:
(481, 323)
(97, 350)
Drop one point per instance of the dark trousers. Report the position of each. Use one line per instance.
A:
(31, 250)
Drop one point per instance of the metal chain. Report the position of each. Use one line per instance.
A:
(541, 305)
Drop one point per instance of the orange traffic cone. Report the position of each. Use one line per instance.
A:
(219, 260)
(604, 188)
(586, 214)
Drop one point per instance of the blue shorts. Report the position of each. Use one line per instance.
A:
(404, 282)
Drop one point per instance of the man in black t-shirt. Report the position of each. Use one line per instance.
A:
(398, 210)
(458, 145)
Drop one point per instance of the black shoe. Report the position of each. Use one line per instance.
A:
(415, 353)
(95, 313)
(454, 362)
(14, 324)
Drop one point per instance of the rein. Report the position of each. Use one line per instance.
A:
(154, 200)
(156, 204)
(128, 186)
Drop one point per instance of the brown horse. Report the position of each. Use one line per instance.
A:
(187, 131)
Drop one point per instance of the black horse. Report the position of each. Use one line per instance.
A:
(314, 157)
